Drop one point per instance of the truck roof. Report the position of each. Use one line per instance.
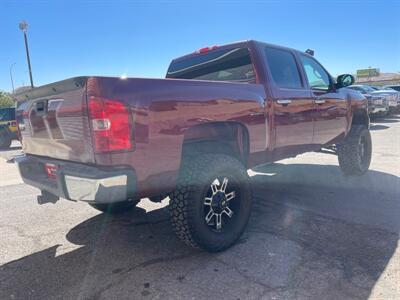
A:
(244, 43)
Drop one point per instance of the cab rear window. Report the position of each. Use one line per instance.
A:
(217, 65)
(7, 114)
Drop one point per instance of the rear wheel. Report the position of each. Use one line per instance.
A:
(115, 208)
(355, 153)
(212, 203)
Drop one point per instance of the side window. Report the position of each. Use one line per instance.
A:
(282, 65)
(316, 75)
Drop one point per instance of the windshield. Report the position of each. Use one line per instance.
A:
(368, 88)
(396, 88)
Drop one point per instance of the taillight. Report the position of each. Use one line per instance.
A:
(206, 49)
(13, 124)
(51, 170)
(110, 125)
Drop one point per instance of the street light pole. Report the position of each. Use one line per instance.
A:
(11, 77)
(24, 27)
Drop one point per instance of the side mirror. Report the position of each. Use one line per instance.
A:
(344, 80)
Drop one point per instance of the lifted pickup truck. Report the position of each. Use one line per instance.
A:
(192, 136)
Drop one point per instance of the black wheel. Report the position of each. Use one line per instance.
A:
(115, 208)
(355, 153)
(211, 205)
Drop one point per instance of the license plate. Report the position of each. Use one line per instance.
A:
(378, 102)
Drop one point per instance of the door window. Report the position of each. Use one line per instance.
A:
(284, 71)
(317, 77)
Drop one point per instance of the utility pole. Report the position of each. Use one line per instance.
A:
(11, 77)
(24, 27)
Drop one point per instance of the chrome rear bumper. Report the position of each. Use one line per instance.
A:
(109, 189)
(78, 182)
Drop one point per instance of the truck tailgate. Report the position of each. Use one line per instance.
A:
(53, 121)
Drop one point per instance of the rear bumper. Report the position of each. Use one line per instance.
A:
(79, 182)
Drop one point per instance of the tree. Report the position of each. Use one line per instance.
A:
(6, 100)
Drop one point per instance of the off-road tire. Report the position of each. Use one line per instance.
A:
(353, 160)
(187, 201)
(115, 208)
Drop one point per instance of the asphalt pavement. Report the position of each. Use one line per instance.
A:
(313, 234)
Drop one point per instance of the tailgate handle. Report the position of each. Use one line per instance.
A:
(40, 107)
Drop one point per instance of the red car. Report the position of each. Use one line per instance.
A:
(192, 136)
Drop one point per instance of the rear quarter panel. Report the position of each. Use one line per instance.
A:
(163, 109)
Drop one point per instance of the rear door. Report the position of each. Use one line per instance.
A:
(292, 104)
(331, 104)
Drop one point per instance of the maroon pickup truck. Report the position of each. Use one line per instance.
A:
(192, 136)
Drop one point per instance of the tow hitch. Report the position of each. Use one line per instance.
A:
(47, 197)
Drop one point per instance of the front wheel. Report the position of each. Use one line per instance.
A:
(212, 203)
(355, 153)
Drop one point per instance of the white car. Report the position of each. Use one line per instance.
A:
(392, 96)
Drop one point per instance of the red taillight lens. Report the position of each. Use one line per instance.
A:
(51, 170)
(110, 125)
(206, 49)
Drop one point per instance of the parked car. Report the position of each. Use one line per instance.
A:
(393, 87)
(392, 96)
(8, 127)
(111, 141)
(378, 105)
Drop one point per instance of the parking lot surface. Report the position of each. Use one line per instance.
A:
(313, 234)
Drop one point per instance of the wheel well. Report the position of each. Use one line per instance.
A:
(360, 117)
(218, 137)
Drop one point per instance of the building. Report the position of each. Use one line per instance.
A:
(379, 79)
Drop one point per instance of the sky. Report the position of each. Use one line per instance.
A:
(139, 38)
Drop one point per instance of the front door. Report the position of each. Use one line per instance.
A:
(331, 105)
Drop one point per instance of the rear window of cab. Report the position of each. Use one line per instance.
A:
(217, 65)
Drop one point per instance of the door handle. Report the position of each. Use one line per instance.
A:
(319, 101)
(284, 102)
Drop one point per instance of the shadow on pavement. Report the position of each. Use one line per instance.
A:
(313, 234)
(10, 149)
(378, 127)
(385, 120)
